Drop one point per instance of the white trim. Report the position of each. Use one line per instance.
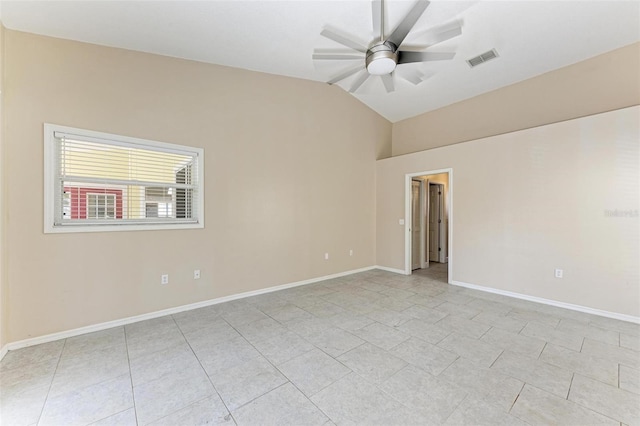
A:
(424, 225)
(394, 270)
(101, 227)
(449, 216)
(4, 351)
(129, 320)
(407, 220)
(407, 224)
(570, 306)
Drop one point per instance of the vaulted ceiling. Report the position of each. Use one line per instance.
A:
(279, 37)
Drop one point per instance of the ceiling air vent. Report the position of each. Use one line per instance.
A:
(480, 59)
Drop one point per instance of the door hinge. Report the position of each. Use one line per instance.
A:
(439, 220)
(439, 249)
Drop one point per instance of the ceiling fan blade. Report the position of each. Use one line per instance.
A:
(414, 77)
(376, 14)
(319, 54)
(359, 81)
(387, 80)
(343, 40)
(441, 34)
(345, 74)
(407, 57)
(400, 33)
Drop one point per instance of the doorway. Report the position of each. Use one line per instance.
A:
(428, 219)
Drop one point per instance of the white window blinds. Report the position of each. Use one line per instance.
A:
(107, 180)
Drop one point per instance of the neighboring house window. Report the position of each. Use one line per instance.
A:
(101, 206)
(158, 202)
(102, 182)
(92, 203)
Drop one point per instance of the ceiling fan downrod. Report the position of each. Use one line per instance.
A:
(382, 20)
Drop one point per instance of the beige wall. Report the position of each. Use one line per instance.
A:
(527, 202)
(3, 269)
(289, 169)
(603, 83)
(280, 153)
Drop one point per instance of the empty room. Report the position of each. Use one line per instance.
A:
(320, 212)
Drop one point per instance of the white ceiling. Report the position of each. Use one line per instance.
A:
(278, 37)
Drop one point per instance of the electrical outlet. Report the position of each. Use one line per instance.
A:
(196, 274)
(326, 256)
(351, 252)
(164, 279)
(559, 273)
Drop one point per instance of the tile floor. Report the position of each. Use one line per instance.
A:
(373, 348)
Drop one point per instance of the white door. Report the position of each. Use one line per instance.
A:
(415, 225)
(434, 222)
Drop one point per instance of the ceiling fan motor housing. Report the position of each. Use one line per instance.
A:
(382, 58)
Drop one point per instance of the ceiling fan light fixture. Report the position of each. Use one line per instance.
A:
(381, 59)
(381, 66)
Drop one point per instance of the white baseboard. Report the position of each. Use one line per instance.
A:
(394, 270)
(3, 351)
(129, 320)
(579, 308)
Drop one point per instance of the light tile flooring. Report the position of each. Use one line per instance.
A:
(373, 348)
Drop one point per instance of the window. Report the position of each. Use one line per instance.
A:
(102, 182)
(158, 202)
(101, 206)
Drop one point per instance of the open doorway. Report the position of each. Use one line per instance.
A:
(428, 202)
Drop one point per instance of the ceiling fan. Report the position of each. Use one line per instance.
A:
(383, 55)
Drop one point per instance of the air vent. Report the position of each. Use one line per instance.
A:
(480, 59)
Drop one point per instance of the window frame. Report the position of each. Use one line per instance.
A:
(51, 180)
